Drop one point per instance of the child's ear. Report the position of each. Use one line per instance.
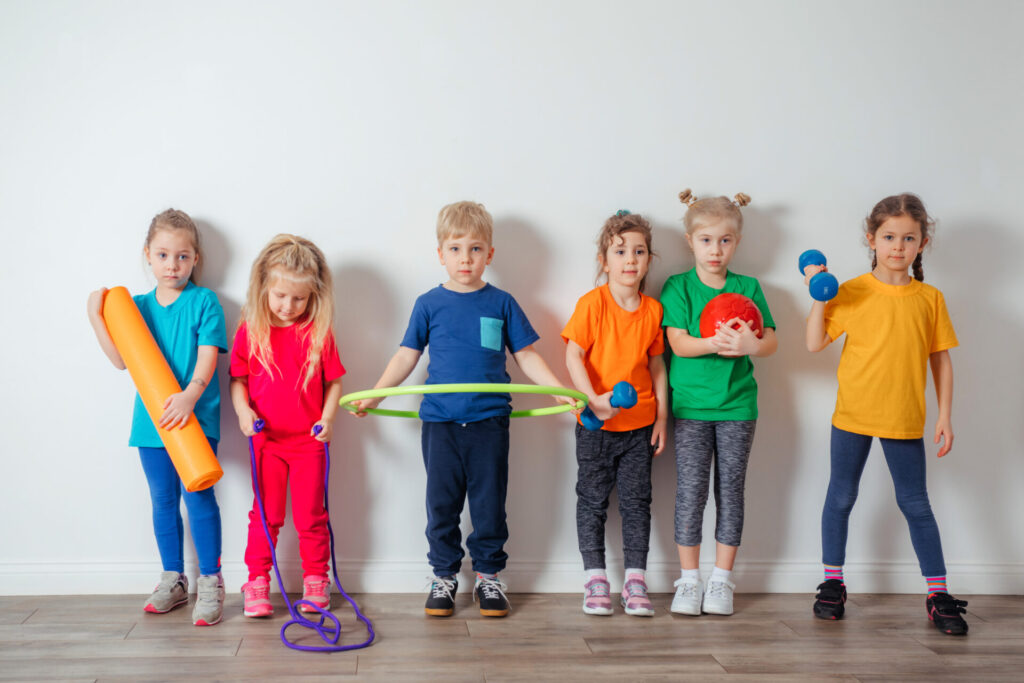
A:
(440, 255)
(490, 255)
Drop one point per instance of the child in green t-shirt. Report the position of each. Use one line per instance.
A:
(714, 398)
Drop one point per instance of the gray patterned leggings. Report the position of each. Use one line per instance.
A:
(699, 443)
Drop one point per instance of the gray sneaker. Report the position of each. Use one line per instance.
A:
(209, 600)
(169, 593)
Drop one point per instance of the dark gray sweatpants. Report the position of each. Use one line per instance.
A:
(699, 443)
(606, 460)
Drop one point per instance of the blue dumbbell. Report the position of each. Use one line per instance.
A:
(623, 396)
(823, 286)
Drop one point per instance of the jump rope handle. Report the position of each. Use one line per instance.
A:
(258, 425)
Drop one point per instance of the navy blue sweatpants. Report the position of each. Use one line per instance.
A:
(466, 460)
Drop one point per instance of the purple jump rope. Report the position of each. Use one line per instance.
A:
(330, 633)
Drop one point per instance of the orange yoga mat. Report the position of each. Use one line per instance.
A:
(189, 450)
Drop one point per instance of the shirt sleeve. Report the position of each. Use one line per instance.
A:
(240, 353)
(676, 311)
(518, 330)
(333, 369)
(657, 346)
(836, 312)
(212, 330)
(944, 337)
(417, 334)
(580, 328)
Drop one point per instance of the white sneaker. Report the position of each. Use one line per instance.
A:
(718, 597)
(689, 594)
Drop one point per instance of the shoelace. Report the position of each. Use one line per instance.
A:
(441, 588)
(598, 589)
(689, 589)
(718, 589)
(636, 589)
(257, 592)
(317, 588)
(492, 588)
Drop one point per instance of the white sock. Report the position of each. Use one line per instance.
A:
(591, 573)
(641, 572)
(719, 574)
(690, 575)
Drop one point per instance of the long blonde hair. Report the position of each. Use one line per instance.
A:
(299, 260)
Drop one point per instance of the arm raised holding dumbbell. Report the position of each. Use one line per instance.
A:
(823, 287)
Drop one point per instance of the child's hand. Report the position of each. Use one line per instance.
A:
(811, 271)
(94, 305)
(602, 407)
(365, 404)
(658, 435)
(177, 409)
(246, 419)
(944, 434)
(735, 343)
(325, 431)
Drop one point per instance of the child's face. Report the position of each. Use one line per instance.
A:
(287, 299)
(465, 259)
(713, 245)
(172, 258)
(897, 242)
(627, 259)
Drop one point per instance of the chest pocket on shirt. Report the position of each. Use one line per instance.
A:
(490, 333)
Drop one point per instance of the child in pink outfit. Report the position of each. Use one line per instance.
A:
(285, 371)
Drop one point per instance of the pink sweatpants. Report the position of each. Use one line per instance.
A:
(278, 467)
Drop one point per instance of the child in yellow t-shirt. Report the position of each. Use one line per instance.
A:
(895, 325)
(614, 335)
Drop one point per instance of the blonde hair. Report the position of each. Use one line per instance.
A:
(701, 212)
(173, 219)
(622, 221)
(464, 218)
(297, 259)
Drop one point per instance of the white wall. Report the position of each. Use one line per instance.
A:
(352, 123)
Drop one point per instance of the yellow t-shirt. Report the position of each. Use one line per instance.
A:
(890, 332)
(618, 345)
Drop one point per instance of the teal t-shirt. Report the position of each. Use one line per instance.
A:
(194, 319)
(710, 387)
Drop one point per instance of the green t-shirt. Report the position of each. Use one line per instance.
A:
(710, 387)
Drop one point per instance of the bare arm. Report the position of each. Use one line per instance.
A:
(95, 309)
(942, 373)
(240, 402)
(178, 407)
(537, 370)
(398, 369)
(684, 345)
(659, 378)
(816, 337)
(600, 405)
(326, 420)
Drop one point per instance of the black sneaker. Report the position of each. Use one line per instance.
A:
(490, 593)
(944, 611)
(830, 602)
(441, 601)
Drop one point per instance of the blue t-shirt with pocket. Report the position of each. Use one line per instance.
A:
(194, 319)
(468, 333)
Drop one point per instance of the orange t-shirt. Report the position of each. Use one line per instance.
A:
(617, 346)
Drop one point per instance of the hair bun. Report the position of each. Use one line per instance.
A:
(686, 197)
(741, 199)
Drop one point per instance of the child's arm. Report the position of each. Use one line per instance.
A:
(816, 336)
(659, 378)
(399, 367)
(331, 397)
(240, 401)
(179, 406)
(537, 370)
(942, 373)
(95, 308)
(684, 345)
(600, 404)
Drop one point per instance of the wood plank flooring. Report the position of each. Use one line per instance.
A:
(769, 638)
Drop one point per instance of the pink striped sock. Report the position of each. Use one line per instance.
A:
(833, 572)
(936, 584)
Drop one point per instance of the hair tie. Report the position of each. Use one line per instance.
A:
(741, 199)
(686, 197)
(622, 212)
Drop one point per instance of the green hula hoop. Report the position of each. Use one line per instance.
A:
(581, 398)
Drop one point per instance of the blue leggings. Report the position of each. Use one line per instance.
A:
(906, 461)
(166, 491)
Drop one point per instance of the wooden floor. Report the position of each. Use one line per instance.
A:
(547, 637)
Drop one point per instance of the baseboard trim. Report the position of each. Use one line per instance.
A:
(412, 576)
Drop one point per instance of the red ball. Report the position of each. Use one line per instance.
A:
(724, 308)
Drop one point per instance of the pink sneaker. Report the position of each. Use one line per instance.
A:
(317, 590)
(634, 597)
(257, 598)
(597, 596)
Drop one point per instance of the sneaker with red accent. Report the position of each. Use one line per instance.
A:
(634, 597)
(830, 602)
(168, 594)
(209, 600)
(944, 611)
(317, 590)
(597, 596)
(256, 598)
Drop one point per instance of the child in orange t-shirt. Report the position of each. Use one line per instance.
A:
(615, 335)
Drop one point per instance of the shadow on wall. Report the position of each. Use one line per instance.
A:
(541, 462)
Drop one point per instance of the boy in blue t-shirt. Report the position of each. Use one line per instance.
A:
(468, 324)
